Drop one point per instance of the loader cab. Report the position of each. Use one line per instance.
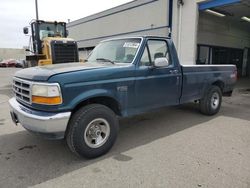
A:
(41, 29)
(49, 44)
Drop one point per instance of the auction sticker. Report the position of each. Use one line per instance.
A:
(131, 45)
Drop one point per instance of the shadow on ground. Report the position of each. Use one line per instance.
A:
(29, 160)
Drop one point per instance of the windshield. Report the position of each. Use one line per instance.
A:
(51, 30)
(116, 51)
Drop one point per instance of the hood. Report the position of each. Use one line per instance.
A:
(42, 73)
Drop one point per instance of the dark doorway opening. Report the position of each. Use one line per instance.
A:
(207, 54)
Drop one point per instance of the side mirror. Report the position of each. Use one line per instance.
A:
(161, 62)
(25, 30)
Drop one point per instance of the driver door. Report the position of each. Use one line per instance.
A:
(156, 86)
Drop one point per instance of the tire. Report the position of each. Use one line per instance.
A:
(92, 131)
(210, 104)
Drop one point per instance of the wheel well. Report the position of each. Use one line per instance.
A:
(220, 84)
(106, 101)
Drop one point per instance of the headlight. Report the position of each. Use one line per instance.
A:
(46, 94)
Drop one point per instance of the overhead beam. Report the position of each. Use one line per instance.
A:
(216, 3)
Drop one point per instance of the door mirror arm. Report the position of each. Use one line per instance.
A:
(151, 67)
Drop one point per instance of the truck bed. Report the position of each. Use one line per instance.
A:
(196, 78)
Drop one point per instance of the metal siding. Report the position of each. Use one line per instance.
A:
(156, 32)
(135, 21)
(110, 12)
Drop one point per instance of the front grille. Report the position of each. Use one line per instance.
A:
(22, 90)
(64, 52)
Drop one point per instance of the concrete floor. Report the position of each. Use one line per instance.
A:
(173, 147)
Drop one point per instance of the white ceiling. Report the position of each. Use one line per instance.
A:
(236, 11)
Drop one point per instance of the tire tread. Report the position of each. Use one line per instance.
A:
(205, 107)
(74, 121)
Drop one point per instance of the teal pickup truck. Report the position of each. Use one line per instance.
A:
(81, 102)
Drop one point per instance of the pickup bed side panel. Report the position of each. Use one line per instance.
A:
(196, 80)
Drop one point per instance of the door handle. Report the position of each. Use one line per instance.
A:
(174, 71)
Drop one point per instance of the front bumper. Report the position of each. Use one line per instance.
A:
(48, 124)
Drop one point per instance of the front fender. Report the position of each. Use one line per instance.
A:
(90, 94)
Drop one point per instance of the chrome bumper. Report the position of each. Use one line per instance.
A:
(48, 124)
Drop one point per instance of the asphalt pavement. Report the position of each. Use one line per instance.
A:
(172, 147)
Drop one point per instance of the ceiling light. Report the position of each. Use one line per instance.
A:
(215, 13)
(245, 18)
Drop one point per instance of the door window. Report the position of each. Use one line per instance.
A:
(154, 49)
(158, 49)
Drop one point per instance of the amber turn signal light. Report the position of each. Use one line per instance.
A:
(47, 100)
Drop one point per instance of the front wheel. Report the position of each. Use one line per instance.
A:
(210, 104)
(92, 131)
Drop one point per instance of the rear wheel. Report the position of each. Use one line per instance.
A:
(211, 102)
(92, 131)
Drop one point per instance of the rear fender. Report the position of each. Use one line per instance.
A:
(209, 83)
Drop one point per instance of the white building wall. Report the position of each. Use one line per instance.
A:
(84, 54)
(11, 53)
(139, 17)
(150, 17)
(218, 31)
(184, 33)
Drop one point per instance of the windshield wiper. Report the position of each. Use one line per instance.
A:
(105, 60)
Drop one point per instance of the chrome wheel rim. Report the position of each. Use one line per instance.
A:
(215, 100)
(97, 133)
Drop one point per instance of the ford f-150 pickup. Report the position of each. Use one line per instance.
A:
(82, 102)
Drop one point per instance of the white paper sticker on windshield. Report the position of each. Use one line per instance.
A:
(131, 45)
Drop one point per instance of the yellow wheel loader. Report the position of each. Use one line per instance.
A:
(49, 44)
